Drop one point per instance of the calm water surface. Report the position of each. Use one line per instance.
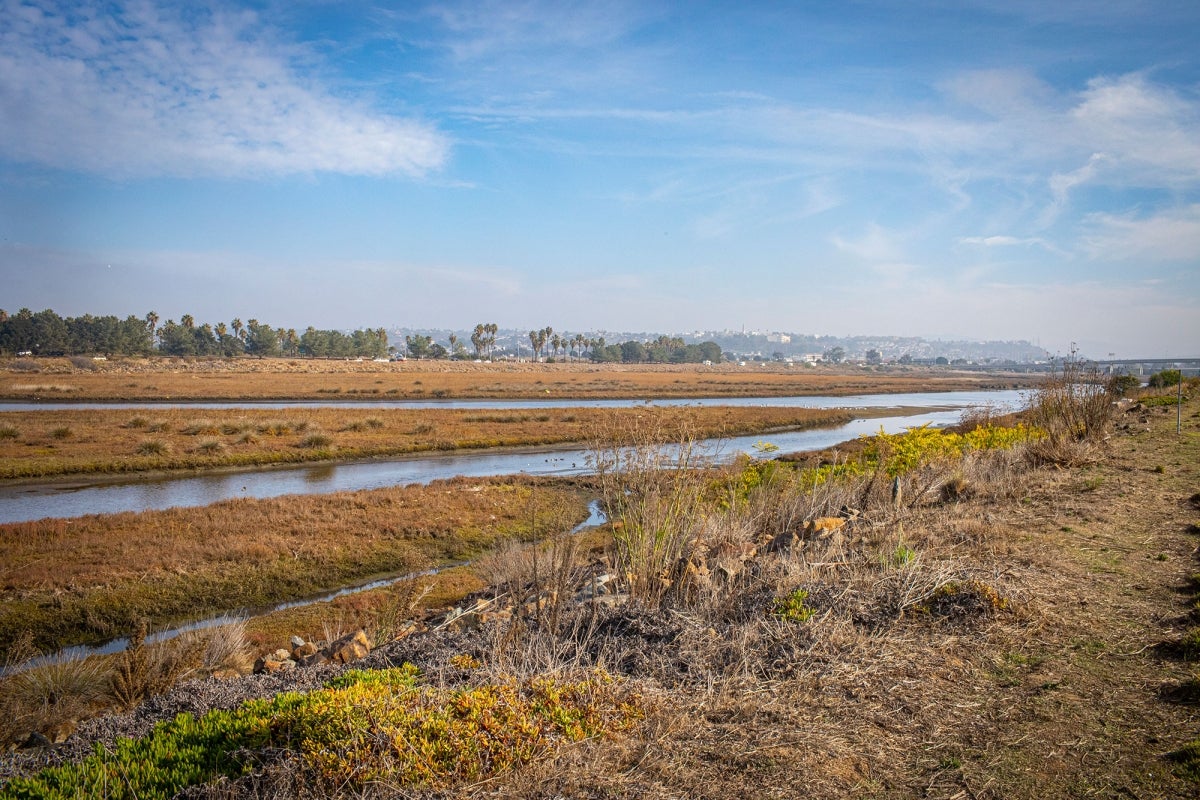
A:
(21, 503)
(918, 399)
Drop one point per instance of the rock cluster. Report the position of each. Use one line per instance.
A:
(350, 647)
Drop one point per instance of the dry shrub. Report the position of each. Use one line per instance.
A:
(153, 447)
(84, 363)
(653, 494)
(46, 695)
(316, 441)
(1064, 452)
(399, 607)
(209, 446)
(143, 670)
(547, 631)
(995, 474)
(1072, 405)
(226, 648)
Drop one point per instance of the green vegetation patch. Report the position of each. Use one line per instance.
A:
(366, 726)
(1161, 400)
(1187, 760)
(794, 608)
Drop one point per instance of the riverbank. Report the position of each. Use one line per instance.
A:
(248, 379)
(88, 579)
(39, 444)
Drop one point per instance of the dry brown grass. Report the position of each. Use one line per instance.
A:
(118, 441)
(1015, 638)
(292, 379)
(91, 578)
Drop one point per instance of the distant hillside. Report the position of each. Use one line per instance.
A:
(777, 344)
(856, 347)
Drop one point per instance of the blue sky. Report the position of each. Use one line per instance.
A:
(996, 169)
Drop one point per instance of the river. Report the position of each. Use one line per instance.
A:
(20, 503)
(1007, 397)
(74, 498)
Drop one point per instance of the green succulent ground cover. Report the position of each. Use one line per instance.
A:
(365, 727)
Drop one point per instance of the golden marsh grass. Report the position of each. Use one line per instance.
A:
(167, 379)
(125, 441)
(91, 578)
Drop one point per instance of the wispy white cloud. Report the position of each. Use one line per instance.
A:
(1061, 184)
(876, 245)
(1170, 235)
(1147, 129)
(137, 91)
(1013, 241)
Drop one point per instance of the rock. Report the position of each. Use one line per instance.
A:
(62, 731)
(612, 600)
(282, 655)
(500, 615)
(541, 602)
(349, 648)
(296, 642)
(270, 664)
(824, 526)
(461, 619)
(36, 739)
(786, 542)
(595, 587)
(729, 558)
(314, 659)
(304, 649)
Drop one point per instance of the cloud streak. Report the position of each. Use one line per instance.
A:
(134, 91)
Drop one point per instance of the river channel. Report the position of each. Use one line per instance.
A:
(76, 498)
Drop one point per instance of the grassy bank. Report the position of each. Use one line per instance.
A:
(175, 379)
(37, 444)
(82, 580)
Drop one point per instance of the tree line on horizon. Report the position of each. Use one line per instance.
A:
(49, 334)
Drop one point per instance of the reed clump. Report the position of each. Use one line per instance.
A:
(1074, 408)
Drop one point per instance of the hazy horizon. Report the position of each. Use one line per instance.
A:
(976, 171)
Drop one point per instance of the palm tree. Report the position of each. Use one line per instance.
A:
(492, 329)
(238, 329)
(479, 339)
(152, 326)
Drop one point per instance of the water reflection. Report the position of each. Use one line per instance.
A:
(917, 399)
